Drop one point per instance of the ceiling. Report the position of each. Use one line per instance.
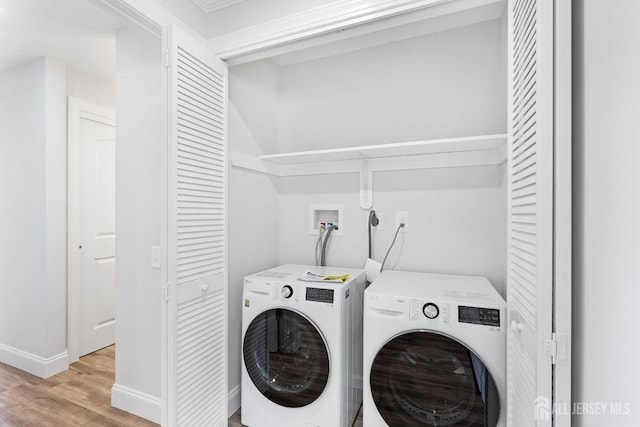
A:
(76, 32)
(211, 5)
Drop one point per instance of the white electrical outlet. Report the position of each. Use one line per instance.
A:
(380, 225)
(402, 218)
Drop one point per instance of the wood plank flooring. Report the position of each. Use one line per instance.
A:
(80, 396)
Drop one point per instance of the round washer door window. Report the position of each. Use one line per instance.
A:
(428, 379)
(286, 358)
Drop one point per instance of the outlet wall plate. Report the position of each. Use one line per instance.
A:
(380, 225)
(403, 217)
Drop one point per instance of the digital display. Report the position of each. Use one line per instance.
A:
(479, 316)
(319, 295)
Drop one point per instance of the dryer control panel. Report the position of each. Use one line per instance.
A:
(479, 316)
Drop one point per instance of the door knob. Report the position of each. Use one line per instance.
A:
(516, 326)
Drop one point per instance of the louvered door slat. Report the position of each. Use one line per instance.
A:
(526, 36)
(521, 414)
(200, 328)
(526, 95)
(526, 142)
(198, 139)
(524, 64)
(190, 237)
(194, 107)
(530, 206)
(197, 68)
(201, 158)
(197, 237)
(194, 230)
(194, 101)
(191, 89)
(194, 104)
(525, 57)
(193, 136)
(193, 122)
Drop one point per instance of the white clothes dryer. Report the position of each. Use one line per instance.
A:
(434, 351)
(301, 348)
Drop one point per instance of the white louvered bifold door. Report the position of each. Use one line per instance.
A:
(196, 267)
(530, 212)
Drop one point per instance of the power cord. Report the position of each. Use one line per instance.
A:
(391, 246)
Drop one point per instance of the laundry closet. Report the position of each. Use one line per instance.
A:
(441, 89)
(430, 81)
(446, 113)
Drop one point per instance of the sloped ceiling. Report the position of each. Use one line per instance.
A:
(211, 5)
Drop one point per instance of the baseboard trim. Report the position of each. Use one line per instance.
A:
(42, 367)
(233, 400)
(150, 407)
(136, 402)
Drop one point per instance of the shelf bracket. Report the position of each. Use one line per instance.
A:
(366, 185)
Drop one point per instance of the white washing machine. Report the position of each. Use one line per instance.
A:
(434, 351)
(301, 348)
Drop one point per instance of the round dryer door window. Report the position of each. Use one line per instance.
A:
(286, 358)
(428, 379)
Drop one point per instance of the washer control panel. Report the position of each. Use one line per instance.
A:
(319, 295)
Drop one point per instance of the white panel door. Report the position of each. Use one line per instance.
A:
(533, 140)
(196, 239)
(92, 224)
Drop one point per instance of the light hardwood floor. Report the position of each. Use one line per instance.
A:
(80, 396)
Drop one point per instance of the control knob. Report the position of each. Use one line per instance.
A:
(286, 291)
(430, 310)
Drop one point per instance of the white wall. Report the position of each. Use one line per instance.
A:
(34, 205)
(33, 220)
(457, 220)
(88, 88)
(440, 85)
(436, 86)
(56, 210)
(23, 204)
(138, 223)
(606, 208)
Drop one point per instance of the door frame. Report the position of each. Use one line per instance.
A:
(149, 16)
(562, 245)
(77, 110)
